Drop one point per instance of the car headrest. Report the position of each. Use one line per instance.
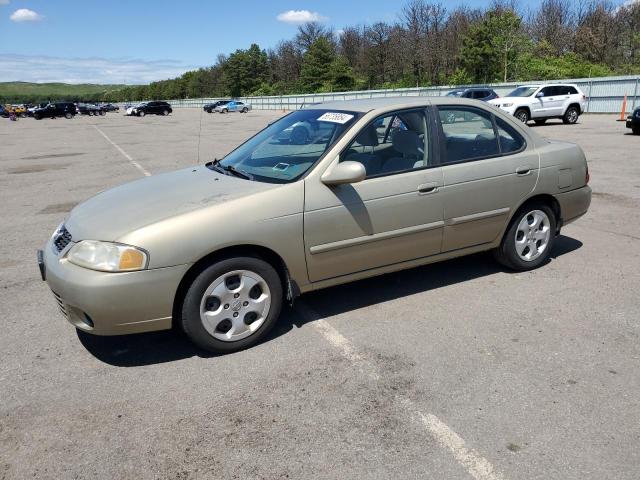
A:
(406, 142)
(368, 137)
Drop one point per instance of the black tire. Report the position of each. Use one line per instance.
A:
(37, 117)
(141, 114)
(522, 114)
(190, 314)
(540, 121)
(102, 113)
(165, 112)
(570, 116)
(507, 255)
(245, 110)
(68, 116)
(636, 130)
(224, 110)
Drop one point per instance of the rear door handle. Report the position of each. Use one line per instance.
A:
(523, 171)
(427, 188)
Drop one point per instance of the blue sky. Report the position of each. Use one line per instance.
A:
(137, 41)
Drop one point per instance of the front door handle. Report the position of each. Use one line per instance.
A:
(523, 171)
(427, 188)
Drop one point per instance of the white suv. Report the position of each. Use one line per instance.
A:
(540, 102)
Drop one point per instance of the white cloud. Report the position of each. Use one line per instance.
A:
(300, 16)
(25, 15)
(28, 68)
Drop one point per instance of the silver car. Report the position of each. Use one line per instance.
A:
(233, 106)
(326, 195)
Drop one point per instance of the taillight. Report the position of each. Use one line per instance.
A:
(587, 177)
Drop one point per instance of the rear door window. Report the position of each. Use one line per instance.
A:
(467, 134)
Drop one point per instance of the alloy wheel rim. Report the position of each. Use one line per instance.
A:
(533, 235)
(573, 116)
(522, 116)
(235, 305)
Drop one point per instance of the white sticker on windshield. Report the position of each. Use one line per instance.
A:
(335, 117)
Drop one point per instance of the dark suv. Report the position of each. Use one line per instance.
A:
(53, 110)
(155, 108)
(477, 93)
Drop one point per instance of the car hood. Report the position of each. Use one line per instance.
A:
(121, 210)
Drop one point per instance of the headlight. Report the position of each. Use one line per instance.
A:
(507, 104)
(107, 257)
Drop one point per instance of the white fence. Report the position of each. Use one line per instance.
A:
(605, 95)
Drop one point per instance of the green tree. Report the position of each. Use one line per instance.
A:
(492, 46)
(316, 71)
(245, 70)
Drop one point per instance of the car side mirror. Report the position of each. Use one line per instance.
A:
(539, 94)
(344, 172)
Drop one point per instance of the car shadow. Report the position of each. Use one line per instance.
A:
(171, 345)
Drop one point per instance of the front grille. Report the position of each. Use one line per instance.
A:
(61, 304)
(61, 239)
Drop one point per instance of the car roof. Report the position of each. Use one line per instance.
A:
(386, 103)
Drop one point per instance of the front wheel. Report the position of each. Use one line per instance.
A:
(528, 241)
(224, 110)
(141, 114)
(245, 110)
(232, 304)
(570, 116)
(102, 113)
(68, 116)
(522, 115)
(636, 130)
(165, 112)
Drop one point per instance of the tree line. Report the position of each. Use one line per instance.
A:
(428, 44)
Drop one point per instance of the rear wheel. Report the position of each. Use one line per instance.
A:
(165, 112)
(102, 112)
(224, 110)
(68, 116)
(141, 114)
(570, 116)
(528, 241)
(540, 121)
(37, 116)
(245, 110)
(522, 115)
(232, 304)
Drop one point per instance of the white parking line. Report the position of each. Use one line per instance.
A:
(144, 171)
(475, 464)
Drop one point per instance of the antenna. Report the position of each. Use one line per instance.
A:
(200, 134)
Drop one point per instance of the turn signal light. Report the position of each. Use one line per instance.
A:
(131, 259)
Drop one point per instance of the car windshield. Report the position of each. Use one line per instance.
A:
(523, 92)
(287, 148)
(455, 93)
(141, 104)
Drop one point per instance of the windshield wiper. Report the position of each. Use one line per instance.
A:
(229, 169)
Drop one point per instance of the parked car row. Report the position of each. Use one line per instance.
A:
(226, 106)
(537, 102)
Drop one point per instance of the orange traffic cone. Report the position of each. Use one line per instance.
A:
(623, 112)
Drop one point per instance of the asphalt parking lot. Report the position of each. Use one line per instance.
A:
(459, 370)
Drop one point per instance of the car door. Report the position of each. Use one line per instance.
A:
(487, 169)
(393, 215)
(549, 104)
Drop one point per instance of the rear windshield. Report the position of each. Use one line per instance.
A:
(455, 93)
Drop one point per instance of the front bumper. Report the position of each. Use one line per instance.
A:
(111, 303)
(633, 123)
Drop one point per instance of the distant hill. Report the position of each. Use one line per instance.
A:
(19, 92)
